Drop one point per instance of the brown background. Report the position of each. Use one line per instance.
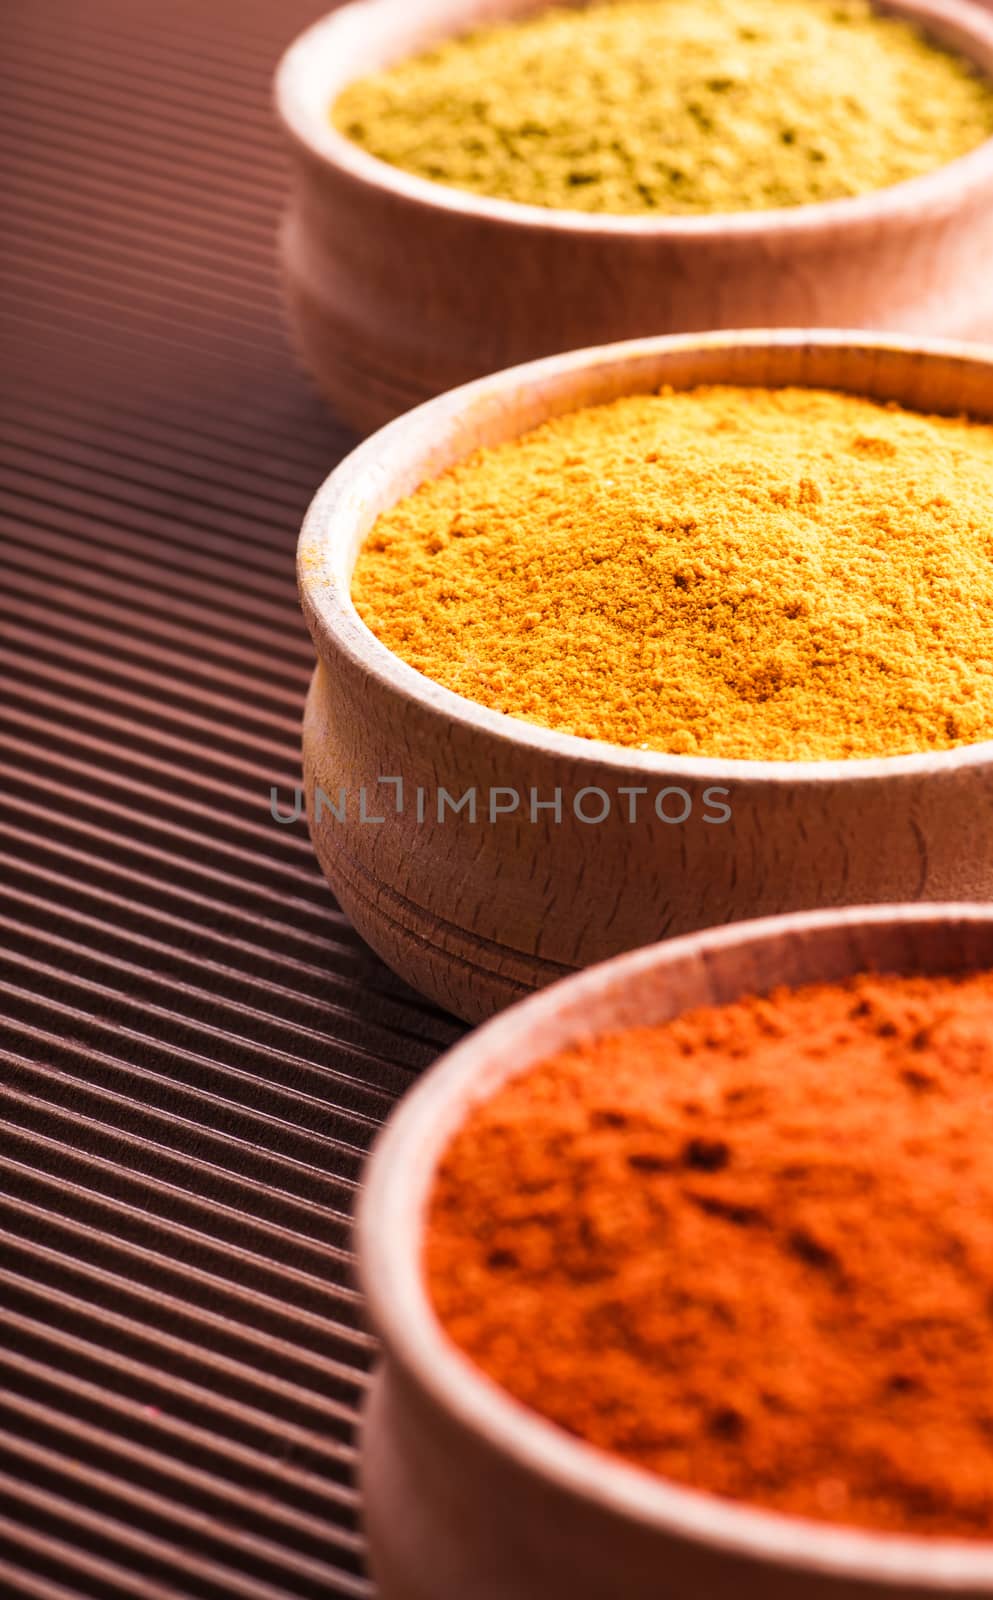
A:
(195, 1049)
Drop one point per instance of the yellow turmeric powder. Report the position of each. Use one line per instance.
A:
(758, 573)
(675, 106)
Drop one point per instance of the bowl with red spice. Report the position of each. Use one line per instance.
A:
(683, 1274)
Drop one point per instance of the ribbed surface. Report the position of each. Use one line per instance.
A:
(195, 1048)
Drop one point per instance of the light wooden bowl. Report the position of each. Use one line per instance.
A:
(475, 916)
(467, 1492)
(399, 289)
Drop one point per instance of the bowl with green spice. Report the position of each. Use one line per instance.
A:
(482, 182)
(643, 639)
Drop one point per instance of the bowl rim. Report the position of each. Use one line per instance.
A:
(389, 1231)
(337, 506)
(308, 125)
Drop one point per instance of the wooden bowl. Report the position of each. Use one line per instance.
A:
(469, 1493)
(475, 915)
(399, 288)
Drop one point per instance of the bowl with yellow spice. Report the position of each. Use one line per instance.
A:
(645, 639)
(681, 1272)
(481, 182)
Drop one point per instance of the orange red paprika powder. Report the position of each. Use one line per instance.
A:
(750, 1250)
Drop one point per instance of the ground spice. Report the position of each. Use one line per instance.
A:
(723, 572)
(673, 106)
(751, 1250)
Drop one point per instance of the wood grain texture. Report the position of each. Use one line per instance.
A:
(476, 915)
(508, 1504)
(399, 289)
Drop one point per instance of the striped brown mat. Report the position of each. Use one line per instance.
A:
(195, 1048)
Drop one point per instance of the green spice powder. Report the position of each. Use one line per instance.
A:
(676, 106)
